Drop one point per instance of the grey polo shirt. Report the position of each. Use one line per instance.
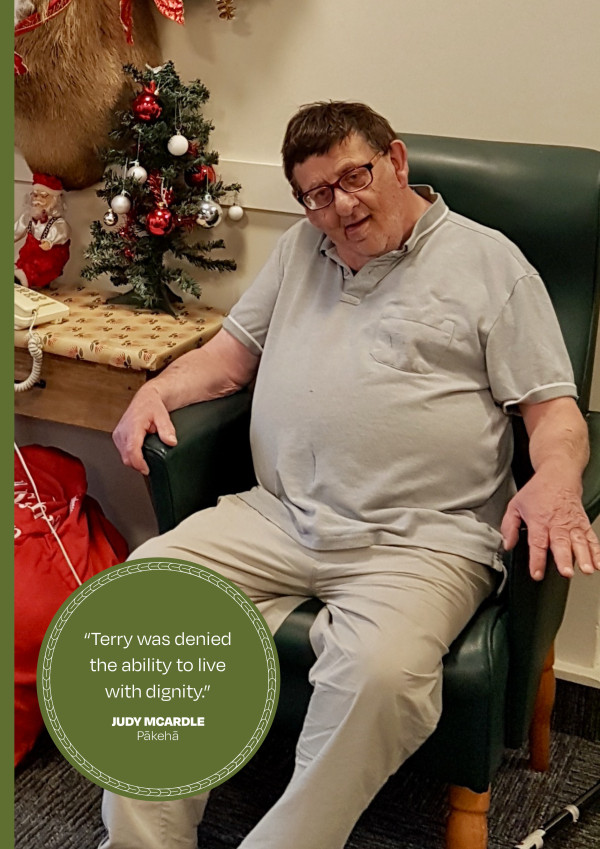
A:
(380, 409)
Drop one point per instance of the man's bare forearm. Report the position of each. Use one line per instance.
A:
(219, 368)
(558, 438)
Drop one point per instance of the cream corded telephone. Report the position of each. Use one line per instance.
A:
(31, 308)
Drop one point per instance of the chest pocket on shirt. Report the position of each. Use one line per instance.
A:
(409, 344)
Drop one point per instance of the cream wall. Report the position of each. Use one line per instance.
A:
(517, 70)
(520, 70)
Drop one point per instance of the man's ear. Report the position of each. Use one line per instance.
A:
(399, 159)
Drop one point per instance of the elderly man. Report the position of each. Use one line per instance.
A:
(390, 338)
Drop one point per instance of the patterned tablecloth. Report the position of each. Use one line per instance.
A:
(121, 336)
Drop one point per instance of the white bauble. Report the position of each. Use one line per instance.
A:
(178, 145)
(120, 204)
(138, 173)
(236, 213)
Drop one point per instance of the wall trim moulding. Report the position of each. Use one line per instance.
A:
(589, 676)
(264, 186)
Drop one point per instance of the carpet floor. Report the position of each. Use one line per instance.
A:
(57, 808)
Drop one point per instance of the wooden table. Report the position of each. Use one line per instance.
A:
(98, 357)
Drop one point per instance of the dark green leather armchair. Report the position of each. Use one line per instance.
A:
(546, 199)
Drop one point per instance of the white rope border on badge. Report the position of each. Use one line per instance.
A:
(162, 792)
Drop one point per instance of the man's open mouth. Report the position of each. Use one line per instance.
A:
(355, 229)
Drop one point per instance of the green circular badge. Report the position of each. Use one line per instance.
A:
(158, 679)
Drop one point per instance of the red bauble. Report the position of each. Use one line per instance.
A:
(129, 253)
(145, 106)
(201, 176)
(159, 221)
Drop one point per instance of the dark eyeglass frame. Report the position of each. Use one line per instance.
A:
(300, 196)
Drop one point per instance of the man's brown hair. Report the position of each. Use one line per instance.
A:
(317, 127)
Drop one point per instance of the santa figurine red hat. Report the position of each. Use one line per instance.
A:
(46, 250)
(48, 183)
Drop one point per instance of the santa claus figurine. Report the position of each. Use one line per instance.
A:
(46, 249)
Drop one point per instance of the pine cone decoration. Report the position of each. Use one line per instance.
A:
(226, 9)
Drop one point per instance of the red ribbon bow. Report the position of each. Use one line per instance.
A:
(32, 22)
(172, 9)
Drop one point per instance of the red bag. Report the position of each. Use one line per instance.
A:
(43, 578)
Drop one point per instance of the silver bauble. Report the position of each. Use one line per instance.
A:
(209, 214)
(110, 218)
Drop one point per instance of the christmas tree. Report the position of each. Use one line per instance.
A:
(160, 184)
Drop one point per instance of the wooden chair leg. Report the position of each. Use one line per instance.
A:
(539, 732)
(467, 820)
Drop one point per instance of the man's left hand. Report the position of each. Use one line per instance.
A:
(555, 520)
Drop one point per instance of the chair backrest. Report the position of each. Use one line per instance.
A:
(547, 200)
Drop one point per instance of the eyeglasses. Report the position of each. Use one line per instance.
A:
(352, 181)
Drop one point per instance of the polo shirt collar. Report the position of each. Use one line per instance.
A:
(356, 286)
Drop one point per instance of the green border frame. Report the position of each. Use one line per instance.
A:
(7, 837)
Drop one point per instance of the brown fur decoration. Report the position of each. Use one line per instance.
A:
(66, 103)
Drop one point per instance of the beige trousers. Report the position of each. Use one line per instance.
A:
(391, 613)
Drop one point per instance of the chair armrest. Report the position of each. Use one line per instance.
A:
(535, 613)
(474, 686)
(591, 476)
(536, 609)
(212, 457)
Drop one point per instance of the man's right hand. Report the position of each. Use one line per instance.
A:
(146, 414)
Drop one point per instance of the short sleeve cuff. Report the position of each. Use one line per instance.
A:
(541, 393)
(242, 335)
